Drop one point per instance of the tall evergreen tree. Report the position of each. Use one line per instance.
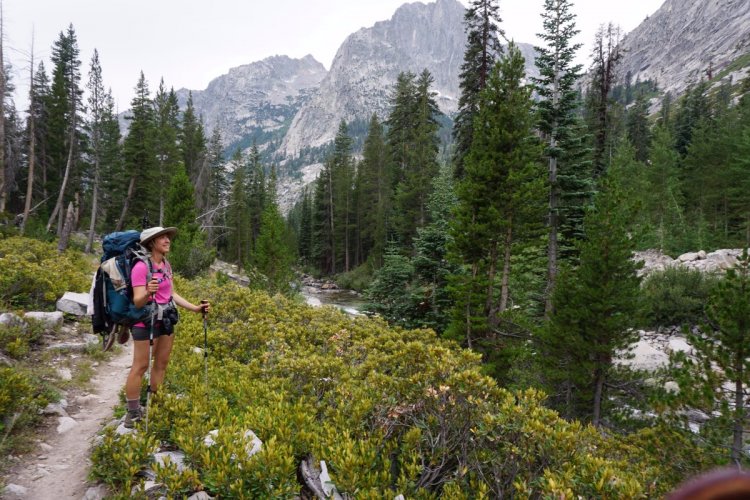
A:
(664, 202)
(606, 56)
(323, 234)
(189, 254)
(96, 123)
(717, 377)
(64, 120)
(483, 48)
(38, 114)
(498, 199)
(213, 213)
(141, 199)
(342, 179)
(305, 233)
(113, 173)
(412, 193)
(594, 313)
(257, 191)
(193, 144)
(238, 215)
(272, 256)
(638, 129)
(166, 147)
(374, 197)
(558, 99)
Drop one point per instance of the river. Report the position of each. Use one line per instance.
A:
(348, 301)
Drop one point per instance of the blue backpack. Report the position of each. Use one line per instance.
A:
(113, 289)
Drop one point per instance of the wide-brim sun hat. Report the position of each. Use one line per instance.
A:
(154, 232)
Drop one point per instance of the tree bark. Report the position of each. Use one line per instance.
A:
(94, 208)
(62, 243)
(598, 391)
(505, 284)
(32, 146)
(124, 213)
(69, 164)
(3, 81)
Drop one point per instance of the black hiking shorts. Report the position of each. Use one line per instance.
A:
(143, 333)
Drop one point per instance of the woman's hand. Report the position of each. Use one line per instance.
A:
(152, 286)
(203, 308)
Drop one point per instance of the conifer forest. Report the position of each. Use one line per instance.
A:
(493, 248)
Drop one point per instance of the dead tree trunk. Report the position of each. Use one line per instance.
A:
(62, 243)
(32, 145)
(124, 213)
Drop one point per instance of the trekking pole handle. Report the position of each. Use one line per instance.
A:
(203, 308)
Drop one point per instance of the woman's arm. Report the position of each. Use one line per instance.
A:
(141, 294)
(188, 305)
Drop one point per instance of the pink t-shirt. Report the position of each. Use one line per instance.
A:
(159, 271)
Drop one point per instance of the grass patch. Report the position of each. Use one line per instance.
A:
(741, 62)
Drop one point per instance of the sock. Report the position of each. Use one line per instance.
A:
(134, 404)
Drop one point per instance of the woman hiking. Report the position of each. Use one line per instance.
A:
(159, 294)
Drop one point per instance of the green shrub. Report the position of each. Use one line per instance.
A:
(16, 341)
(34, 275)
(358, 278)
(390, 411)
(676, 296)
(22, 395)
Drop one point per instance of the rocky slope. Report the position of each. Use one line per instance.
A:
(254, 101)
(418, 36)
(684, 38)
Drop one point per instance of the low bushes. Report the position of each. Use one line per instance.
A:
(34, 275)
(389, 410)
(676, 296)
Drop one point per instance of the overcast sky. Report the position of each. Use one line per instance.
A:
(191, 42)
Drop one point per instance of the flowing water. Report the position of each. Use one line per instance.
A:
(348, 301)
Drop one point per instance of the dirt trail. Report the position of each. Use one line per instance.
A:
(58, 469)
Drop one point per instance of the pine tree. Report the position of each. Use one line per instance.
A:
(38, 114)
(193, 144)
(323, 233)
(607, 56)
(664, 202)
(257, 192)
(97, 116)
(238, 215)
(305, 232)
(499, 199)
(189, 254)
(64, 120)
(638, 129)
(557, 104)
(342, 180)
(273, 256)
(112, 164)
(400, 126)
(720, 372)
(374, 197)
(412, 192)
(693, 109)
(214, 212)
(481, 25)
(141, 199)
(594, 313)
(166, 147)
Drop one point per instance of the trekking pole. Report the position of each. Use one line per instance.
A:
(150, 354)
(205, 340)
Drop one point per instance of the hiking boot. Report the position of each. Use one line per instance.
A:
(132, 417)
(108, 338)
(124, 335)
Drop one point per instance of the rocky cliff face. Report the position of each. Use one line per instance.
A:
(366, 66)
(255, 100)
(684, 38)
